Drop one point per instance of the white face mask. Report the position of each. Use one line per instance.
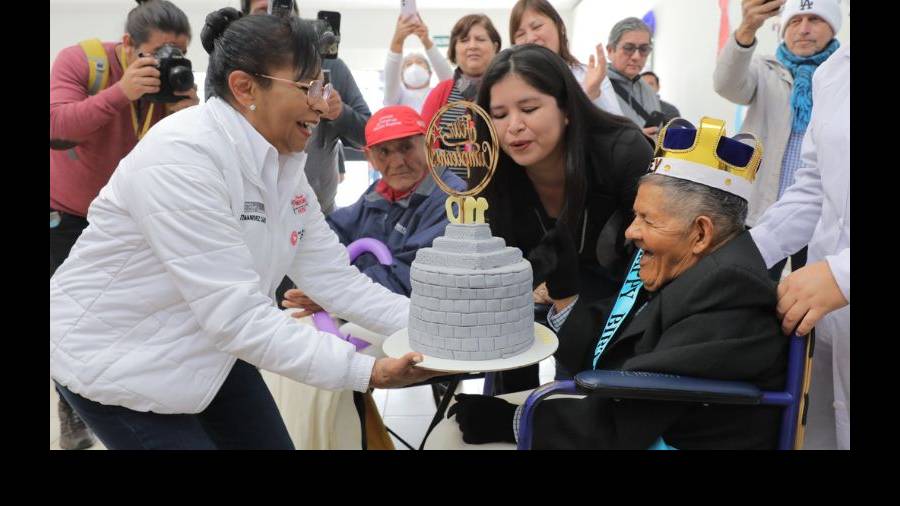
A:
(416, 76)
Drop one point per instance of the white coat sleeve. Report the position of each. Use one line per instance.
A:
(322, 270)
(184, 214)
(439, 63)
(608, 101)
(736, 75)
(393, 88)
(840, 269)
(787, 226)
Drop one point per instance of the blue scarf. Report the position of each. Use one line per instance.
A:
(802, 68)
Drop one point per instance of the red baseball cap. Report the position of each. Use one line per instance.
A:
(393, 122)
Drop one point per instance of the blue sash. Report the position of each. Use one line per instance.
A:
(627, 296)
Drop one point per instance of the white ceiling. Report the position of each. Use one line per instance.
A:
(369, 4)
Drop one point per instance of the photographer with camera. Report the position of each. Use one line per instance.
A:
(104, 96)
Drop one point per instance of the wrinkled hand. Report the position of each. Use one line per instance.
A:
(651, 132)
(140, 78)
(191, 100)
(484, 419)
(805, 296)
(295, 298)
(400, 372)
(335, 106)
(540, 295)
(422, 33)
(405, 28)
(755, 13)
(596, 73)
(555, 260)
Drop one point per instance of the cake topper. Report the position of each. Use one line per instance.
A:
(456, 144)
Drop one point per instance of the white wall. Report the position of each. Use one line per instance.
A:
(685, 46)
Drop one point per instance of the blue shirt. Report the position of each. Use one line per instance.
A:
(791, 161)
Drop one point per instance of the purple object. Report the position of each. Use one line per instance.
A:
(322, 320)
(650, 20)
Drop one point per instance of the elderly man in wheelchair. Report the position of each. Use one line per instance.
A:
(697, 302)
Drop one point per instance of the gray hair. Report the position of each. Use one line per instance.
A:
(625, 26)
(688, 200)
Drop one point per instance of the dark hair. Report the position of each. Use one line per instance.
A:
(151, 15)
(651, 73)
(543, 7)
(245, 7)
(546, 71)
(462, 28)
(257, 45)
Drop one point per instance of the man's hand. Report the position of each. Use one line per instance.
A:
(651, 132)
(335, 106)
(805, 296)
(140, 78)
(191, 100)
(596, 72)
(295, 298)
(540, 295)
(755, 13)
(399, 372)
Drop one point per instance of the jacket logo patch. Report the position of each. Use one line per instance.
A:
(254, 211)
(296, 235)
(299, 204)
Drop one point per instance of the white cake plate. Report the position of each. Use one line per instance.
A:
(545, 343)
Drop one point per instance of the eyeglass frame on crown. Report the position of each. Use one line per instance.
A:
(643, 47)
(307, 87)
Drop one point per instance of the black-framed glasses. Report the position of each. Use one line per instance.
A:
(644, 49)
(315, 90)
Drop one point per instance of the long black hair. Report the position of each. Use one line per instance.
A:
(151, 15)
(547, 72)
(257, 45)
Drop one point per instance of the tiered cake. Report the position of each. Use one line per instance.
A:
(471, 297)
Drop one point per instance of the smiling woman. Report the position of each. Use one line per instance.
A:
(204, 218)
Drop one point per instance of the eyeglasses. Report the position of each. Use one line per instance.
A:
(644, 49)
(315, 90)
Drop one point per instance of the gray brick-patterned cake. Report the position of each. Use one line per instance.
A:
(471, 297)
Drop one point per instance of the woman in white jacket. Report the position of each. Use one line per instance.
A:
(167, 298)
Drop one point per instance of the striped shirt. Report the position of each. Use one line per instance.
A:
(791, 161)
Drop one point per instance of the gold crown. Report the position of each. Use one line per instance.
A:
(704, 149)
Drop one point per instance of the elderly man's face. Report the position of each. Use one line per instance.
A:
(807, 34)
(401, 162)
(630, 54)
(666, 240)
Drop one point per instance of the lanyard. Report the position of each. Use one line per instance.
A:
(139, 133)
(627, 296)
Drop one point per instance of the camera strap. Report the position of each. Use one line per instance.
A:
(138, 132)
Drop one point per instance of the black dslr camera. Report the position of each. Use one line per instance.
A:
(174, 75)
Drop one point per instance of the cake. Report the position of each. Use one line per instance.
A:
(471, 297)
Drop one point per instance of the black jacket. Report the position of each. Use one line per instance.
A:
(617, 161)
(716, 320)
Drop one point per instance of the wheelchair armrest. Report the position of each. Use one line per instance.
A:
(666, 387)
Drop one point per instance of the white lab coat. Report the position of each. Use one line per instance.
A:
(174, 278)
(816, 210)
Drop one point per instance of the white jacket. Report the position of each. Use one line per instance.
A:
(396, 93)
(174, 278)
(816, 210)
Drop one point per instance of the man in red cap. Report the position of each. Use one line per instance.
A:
(404, 209)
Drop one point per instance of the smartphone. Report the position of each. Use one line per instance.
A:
(656, 119)
(326, 76)
(282, 8)
(330, 31)
(408, 8)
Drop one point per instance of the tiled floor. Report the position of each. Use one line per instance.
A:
(406, 411)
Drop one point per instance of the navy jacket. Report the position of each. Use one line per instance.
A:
(404, 226)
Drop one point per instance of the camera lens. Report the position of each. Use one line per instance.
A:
(181, 78)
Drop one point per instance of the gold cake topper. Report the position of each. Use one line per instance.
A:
(456, 145)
